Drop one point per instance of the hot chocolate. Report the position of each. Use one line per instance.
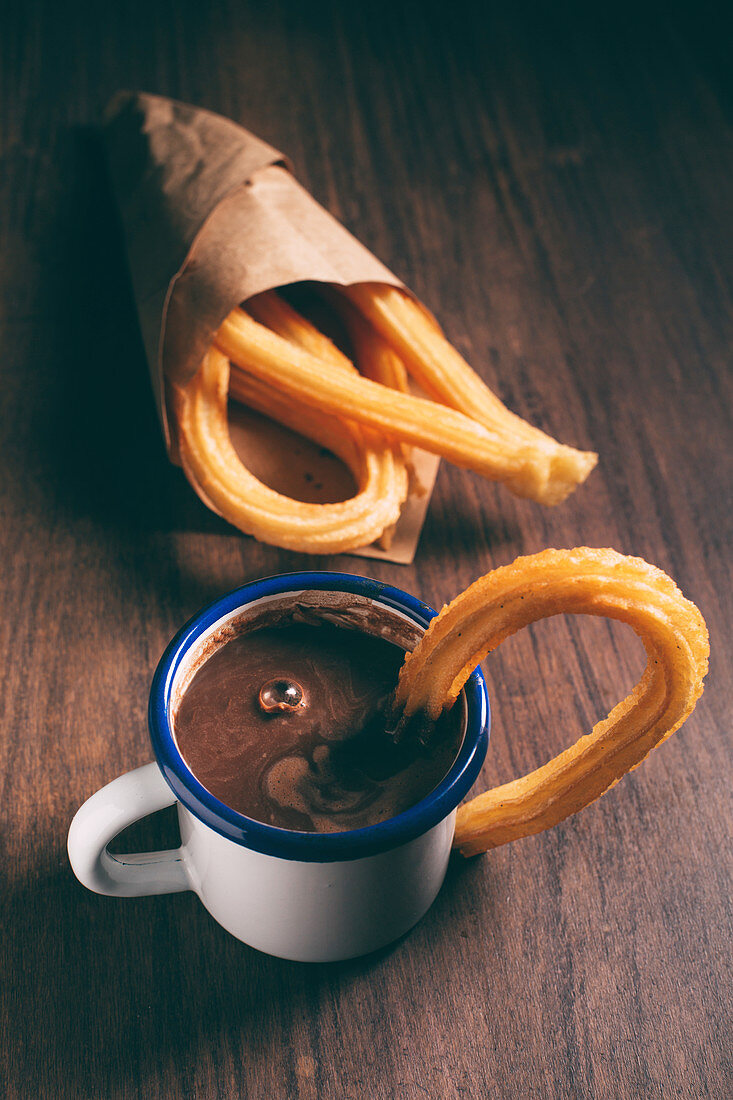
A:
(286, 724)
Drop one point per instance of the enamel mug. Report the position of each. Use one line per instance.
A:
(313, 897)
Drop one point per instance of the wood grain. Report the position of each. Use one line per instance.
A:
(555, 183)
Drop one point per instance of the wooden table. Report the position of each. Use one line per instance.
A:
(556, 187)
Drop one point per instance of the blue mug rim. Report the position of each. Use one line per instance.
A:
(285, 843)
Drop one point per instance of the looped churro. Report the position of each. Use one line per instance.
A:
(219, 477)
(223, 482)
(580, 582)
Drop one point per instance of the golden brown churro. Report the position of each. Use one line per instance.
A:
(219, 477)
(444, 374)
(578, 582)
(257, 350)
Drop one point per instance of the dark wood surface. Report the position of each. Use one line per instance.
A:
(556, 186)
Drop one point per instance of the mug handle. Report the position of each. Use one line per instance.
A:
(122, 802)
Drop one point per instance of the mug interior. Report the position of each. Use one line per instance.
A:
(353, 603)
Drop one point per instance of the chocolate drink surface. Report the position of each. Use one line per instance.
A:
(323, 761)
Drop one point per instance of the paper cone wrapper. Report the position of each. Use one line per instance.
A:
(213, 215)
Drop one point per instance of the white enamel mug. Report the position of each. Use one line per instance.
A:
(313, 897)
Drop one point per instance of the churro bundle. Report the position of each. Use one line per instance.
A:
(216, 225)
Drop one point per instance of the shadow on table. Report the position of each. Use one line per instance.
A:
(100, 439)
(113, 991)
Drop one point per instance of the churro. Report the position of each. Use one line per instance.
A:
(224, 484)
(444, 375)
(255, 349)
(581, 581)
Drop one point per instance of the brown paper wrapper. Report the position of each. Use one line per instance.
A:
(212, 216)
